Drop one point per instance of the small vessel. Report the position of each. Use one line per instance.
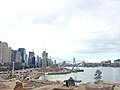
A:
(64, 71)
(78, 70)
(58, 73)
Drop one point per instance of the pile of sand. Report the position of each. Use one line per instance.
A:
(3, 86)
(1, 79)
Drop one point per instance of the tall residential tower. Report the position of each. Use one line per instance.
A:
(5, 53)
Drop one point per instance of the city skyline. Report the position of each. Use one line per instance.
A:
(84, 29)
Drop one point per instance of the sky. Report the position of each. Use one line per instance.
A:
(85, 29)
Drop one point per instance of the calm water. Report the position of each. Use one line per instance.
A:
(108, 74)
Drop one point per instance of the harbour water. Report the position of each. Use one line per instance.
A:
(108, 74)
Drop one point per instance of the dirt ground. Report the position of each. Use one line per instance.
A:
(36, 84)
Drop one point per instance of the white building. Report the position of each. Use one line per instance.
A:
(5, 52)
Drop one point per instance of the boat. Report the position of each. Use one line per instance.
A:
(58, 73)
(78, 70)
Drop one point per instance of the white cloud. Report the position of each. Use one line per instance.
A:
(61, 26)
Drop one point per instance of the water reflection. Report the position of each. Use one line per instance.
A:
(116, 74)
(108, 74)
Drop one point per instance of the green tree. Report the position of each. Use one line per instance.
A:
(97, 76)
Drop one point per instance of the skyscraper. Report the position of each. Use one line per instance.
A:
(44, 59)
(23, 54)
(38, 61)
(5, 52)
(26, 60)
(16, 56)
(50, 62)
(31, 59)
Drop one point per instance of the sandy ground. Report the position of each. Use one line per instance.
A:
(9, 85)
(6, 84)
(35, 84)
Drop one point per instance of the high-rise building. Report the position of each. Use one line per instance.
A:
(44, 59)
(23, 54)
(5, 53)
(55, 62)
(31, 59)
(38, 61)
(50, 62)
(16, 56)
(26, 60)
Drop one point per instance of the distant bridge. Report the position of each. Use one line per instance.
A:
(67, 60)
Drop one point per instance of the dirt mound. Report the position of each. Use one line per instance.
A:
(1, 79)
(3, 86)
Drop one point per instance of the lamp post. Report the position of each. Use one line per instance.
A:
(13, 69)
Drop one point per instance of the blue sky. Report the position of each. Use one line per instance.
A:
(86, 29)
